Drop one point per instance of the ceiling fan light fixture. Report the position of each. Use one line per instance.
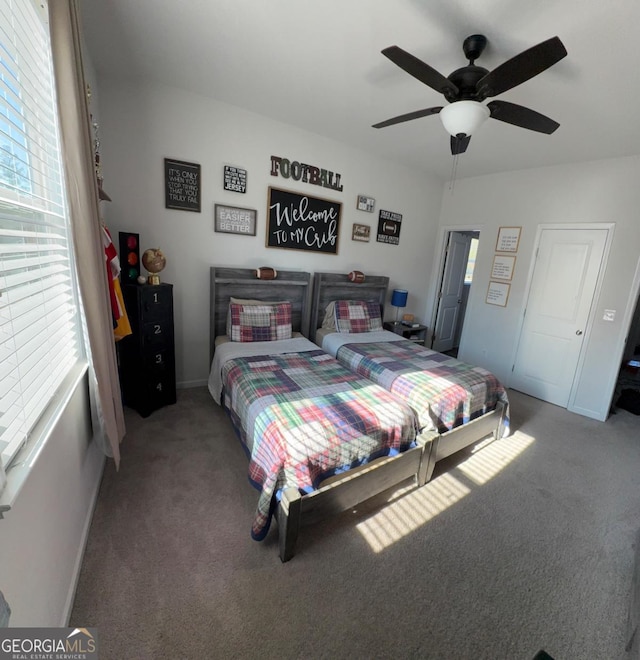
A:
(463, 117)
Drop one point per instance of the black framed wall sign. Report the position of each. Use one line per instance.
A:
(181, 185)
(389, 224)
(235, 179)
(302, 222)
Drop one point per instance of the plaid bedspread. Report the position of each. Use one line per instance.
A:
(303, 417)
(443, 391)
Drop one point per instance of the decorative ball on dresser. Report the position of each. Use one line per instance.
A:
(154, 261)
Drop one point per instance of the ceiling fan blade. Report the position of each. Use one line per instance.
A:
(410, 115)
(423, 72)
(518, 115)
(521, 68)
(459, 144)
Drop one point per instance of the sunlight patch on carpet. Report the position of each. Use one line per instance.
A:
(487, 460)
(409, 508)
(406, 514)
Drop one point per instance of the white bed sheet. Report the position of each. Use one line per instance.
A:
(332, 341)
(233, 349)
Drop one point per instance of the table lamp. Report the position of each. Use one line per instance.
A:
(399, 299)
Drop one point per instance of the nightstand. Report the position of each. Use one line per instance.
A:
(418, 333)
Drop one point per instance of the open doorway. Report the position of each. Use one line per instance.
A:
(455, 284)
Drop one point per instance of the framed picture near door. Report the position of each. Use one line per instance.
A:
(502, 268)
(498, 294)
(508, 239)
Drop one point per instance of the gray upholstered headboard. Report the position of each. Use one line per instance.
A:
(293, 286)
(336, 286)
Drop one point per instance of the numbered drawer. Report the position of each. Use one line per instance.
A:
(159, 390)
(157, 333)
(158, 360)
(156, 302)
(161, 387)
(153, 393)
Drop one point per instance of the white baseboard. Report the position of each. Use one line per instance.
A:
(186, 384)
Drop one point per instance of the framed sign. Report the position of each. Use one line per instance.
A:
(181, 185)
(508, 239)
(389, 227)
(366, 203)
(502, 268)
(234, 220)
(302, 222)
(498, 294)
(360, 233)
(235, 179)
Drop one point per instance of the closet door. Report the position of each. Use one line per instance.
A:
(561, 293)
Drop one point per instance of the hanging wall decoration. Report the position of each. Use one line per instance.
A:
(389, 227)
(366, 203)
(234, 220)
(297, 171)
(235, 179)
(181, 185)
(502, 268)
(508, 239)
(498, 294)
(360, 233)
(301, 222)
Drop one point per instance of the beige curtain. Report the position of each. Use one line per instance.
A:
(84, 209)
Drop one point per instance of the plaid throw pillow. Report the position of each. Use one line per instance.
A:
(259, 322)
(357, 316)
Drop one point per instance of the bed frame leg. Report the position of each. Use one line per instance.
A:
(288, 522)
(497, 434)
(427, 461)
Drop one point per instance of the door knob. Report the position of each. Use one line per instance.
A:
(578, 332)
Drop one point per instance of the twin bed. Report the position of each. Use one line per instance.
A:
(329, 424)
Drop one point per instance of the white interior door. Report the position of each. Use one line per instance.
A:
(455, 266)
(560, 296)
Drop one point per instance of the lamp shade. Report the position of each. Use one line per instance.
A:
(399, 297)
(463, 117)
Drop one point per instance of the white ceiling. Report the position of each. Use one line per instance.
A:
(317, 64)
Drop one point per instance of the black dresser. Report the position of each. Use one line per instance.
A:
(147, 357)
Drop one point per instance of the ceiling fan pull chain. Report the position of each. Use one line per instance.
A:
(454, 173)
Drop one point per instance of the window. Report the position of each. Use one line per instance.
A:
(471, 262)
(39, 332)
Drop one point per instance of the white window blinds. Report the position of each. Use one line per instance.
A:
(39, 338)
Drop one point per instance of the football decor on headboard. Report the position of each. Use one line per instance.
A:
(266, 273)
(356, 276)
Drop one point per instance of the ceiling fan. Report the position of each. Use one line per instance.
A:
(466, 88)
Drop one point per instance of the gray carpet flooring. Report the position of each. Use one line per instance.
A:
(524, 544)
